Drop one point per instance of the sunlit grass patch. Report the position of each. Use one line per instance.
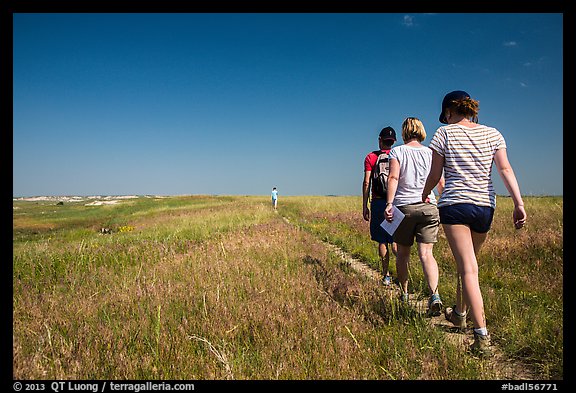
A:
(222, 288)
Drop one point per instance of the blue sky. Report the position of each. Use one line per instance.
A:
(170, 104)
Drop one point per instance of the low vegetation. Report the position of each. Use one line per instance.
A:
(223, 287)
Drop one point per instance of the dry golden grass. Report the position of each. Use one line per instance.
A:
(206, 292)
(156, 319)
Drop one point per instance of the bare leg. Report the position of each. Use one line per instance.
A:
(464, 243)
(478, 240)
(394, 249)
(429, 266)
(402, 260)
(384, 257)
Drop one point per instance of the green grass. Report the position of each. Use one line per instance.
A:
(520, 271)
(217, 287)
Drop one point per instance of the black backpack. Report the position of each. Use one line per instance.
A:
(380, 174)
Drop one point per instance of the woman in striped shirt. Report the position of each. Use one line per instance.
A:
(465, 150)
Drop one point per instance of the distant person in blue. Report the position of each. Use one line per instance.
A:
(274, 198)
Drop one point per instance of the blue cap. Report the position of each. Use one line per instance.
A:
(453, 95)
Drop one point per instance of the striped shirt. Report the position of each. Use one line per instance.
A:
(468, 155)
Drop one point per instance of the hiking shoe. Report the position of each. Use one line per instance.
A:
(434, 305)
(387, 280)
(457, 320)
(481, 345)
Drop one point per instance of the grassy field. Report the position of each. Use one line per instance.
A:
(223, 287)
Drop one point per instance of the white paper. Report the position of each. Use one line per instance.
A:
(391, 226)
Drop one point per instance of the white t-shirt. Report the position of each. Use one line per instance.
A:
(415, 165)
(468, 155)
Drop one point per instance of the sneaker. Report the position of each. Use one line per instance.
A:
(404, 297)
(434, 305)
(481, 345)
(457, 320)
(387, 280)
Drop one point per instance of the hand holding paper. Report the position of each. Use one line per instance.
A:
(391, 226)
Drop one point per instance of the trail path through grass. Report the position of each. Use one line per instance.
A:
(505, 367)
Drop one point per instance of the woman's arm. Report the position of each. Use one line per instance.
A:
(440, 185)
(434, 176)
(393, 176)
(509, 179)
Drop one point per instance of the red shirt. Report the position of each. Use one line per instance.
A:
(370, 162)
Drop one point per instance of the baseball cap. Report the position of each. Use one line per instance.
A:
(453, 95)
(388, 133)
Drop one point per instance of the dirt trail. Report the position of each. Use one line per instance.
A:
(504, 367)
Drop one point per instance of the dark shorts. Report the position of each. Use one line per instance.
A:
(478, 218)
(377, 233)
(421, 221)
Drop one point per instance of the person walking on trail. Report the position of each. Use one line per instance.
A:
(409, 167)
(374, 186)
(274, 198)
(465, 151)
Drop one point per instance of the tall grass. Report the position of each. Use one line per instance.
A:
(521, 271)
(222, 288)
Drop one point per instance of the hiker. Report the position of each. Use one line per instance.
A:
(409, 168)
(274, 198)
(465, 151)
(375, 187)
